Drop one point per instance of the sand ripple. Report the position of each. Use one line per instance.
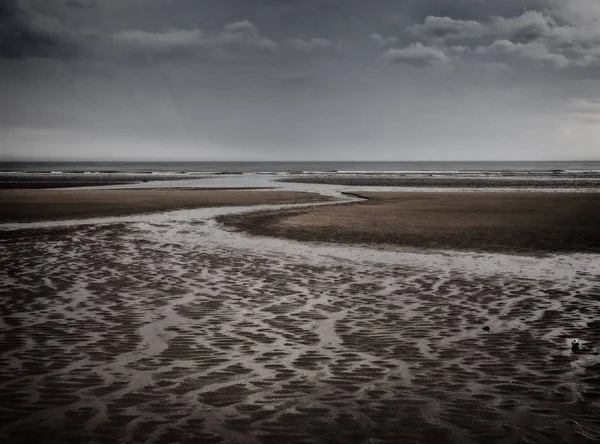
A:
(135, 332)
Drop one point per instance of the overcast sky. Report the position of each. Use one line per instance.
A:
(300, 79)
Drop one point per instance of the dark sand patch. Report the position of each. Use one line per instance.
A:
(32, 205)
(498, 222)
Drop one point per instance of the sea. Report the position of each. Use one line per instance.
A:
(565, 168)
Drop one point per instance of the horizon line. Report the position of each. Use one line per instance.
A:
(280, 161)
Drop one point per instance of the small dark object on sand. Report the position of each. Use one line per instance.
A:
(486, 328)
(575, 344)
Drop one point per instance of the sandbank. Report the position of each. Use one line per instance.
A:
(21, 205)
(486, 221)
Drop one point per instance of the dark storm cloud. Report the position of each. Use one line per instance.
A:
(415, 31)
(299, 78)
(26, 34)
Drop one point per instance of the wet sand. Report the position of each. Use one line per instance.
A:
(170, 329)
(31, 205)
(499, 222)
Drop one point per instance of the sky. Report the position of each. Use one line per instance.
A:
(243, 80)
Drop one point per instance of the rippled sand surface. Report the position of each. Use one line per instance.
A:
(167, 331)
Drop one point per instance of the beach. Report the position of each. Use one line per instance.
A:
(34, 204)
(43, 180)
(300, 222)
(320, 323)
(515, 222)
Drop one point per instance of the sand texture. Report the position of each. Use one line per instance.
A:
(30, 205)
(500, 222)
(172, 330)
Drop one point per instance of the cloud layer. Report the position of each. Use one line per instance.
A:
(416, 54)
(248, 79)
(556, 36)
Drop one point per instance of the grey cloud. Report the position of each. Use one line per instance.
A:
(235, 36)
(533, 35)
(167, 43)
(416, 54)
(312, 44)
(587, 57)
(81, 3)
(234, 39)
(529, 26)
(476, 10)
(242, 33)
(383, 41)
(264, 79)
(445, 28)
(576, 12)
(24, 33)
(241, 28)
(533, 51)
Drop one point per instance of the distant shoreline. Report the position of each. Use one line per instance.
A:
(182, 168)
(34, 181)
(521, 182)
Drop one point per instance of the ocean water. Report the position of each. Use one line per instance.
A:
(580, 168)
